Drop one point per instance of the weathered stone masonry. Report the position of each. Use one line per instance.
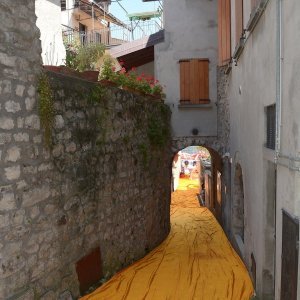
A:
(105, 182)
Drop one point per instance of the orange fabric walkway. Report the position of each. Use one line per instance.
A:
(195, 262)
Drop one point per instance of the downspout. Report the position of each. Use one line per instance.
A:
(278, 110)
(278, 79)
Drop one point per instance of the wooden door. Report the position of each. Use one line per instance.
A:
(289, 257)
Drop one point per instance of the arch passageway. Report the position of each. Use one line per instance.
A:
(196, 261)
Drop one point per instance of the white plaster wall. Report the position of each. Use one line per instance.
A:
(252, 87)
(288, 187)
(190, 32)
(48, 14)
(67, 14)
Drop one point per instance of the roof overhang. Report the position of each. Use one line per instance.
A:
(139, 52)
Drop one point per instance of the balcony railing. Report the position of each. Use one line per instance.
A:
(114, 35)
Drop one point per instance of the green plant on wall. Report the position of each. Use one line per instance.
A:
(83, 57)
(88, 57)
(71, 51)
(159, 128)
(143, 150)
(46, 106)
(97, 94)
(102, 127)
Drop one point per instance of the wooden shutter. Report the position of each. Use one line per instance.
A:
(194, 81)
(224, 31)
(239, 26)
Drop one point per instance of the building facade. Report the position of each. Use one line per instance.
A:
(258, 47)
(48, 21)
(251, 71)
(186, 64)
(74, 22)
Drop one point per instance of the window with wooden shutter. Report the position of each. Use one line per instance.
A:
(224, 31)
(194, 81)
(239, 26)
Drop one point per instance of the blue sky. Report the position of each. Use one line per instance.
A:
(132, 6)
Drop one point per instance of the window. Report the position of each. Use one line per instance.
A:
(194, 81)
(239, 26)
(271, 126)
(63, 4)
(224, 7)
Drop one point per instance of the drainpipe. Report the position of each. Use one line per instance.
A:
(279, 60)
(278, 78)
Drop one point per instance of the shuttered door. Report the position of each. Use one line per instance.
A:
(289, 257)
(194, 81)
(224, 8)
(239, 26)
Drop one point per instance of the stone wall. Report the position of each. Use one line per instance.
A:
(105, 182)
(223, 109)
(20, 135)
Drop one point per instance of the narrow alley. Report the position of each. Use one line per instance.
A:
(196, 261)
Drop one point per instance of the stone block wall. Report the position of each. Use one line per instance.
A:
(105, 180)
(223, 109)
(20, 135)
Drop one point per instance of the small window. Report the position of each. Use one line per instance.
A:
(63, 4)
(194, 81)
(271, 126)
(239, 26)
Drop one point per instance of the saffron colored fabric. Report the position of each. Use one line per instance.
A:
(195, 262)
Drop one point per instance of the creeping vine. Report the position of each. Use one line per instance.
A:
(159, 129)
(46, 106)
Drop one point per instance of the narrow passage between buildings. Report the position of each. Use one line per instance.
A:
(196, 261)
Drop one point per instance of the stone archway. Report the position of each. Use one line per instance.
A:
(211, 143)
(238, 220)
(217, 150)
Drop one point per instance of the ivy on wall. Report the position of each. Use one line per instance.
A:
(159, 128)
(46, 106)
